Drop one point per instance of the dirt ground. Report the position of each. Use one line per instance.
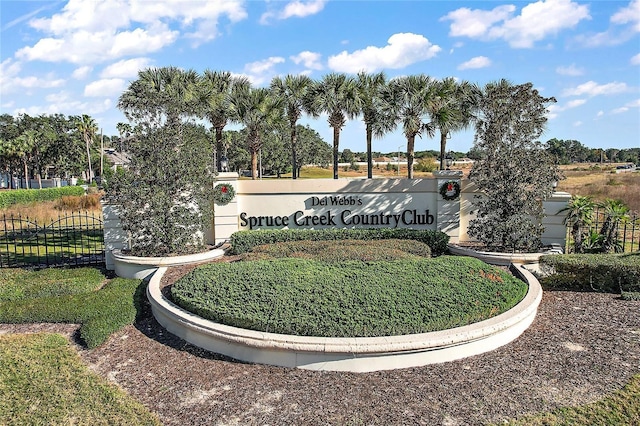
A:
(580, 347)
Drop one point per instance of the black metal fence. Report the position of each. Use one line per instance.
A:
(627, 233)
(72, 240)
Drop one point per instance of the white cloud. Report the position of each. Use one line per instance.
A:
(577, 124)
(627, 107)
(591, 88)
(536, 22)
(310, 60)
(127, 68)
(570, 70)
(575, 103)
(474, 63)
(600, 113)
(261, 72)
(294, 9)
(403, 49)
(476, 23)
(11, 81)
(635, 60)
(140, 42)
(105, 87)
(555, 108)
(629, 14)
(102, 30)
(620, 110)
(82, 72)
(67, 107)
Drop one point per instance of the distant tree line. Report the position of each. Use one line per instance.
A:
(49, 146)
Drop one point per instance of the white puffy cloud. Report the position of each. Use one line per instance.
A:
(127, 68)
(629, 14)
(310, 60)
(294, 9)
(261, 72)
(81, 72)
(68, 107)
(570, 70)
(102, 30)
(635, 60)
(474, 63)
(591, 88)
(476, 23)
(12, 81)
(403, 49)
(105, 87)
(536, 21)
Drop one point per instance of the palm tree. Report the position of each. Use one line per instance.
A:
(335, 95)
(452, 109)
(259, 112)
(407, 100)
(579, 215)
(160, 94)
(369, 88)
(293, 92)
(216, 88)
(87, 128)
(20, 149)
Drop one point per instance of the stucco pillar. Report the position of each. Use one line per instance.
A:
(225, 218)
(114, 236)
(448, 219)
(555, 230)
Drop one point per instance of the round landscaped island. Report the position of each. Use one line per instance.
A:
(348, 316)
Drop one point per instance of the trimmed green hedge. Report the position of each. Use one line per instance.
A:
(338, 251)
(100, 312)
(609, 273)
(244, 241)
(25, 196)
(351, 298)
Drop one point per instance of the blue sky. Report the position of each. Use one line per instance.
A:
(76, 57)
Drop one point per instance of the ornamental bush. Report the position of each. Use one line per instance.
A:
(245, 241)
(609, 273)
(515, 173)
(339, 251)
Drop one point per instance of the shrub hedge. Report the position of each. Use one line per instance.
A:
(100, 312)
(25, 196)
(245, 241)
(609, 273)
(351, 298)
(337, 251)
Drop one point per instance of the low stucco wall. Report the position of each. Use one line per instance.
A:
(358, 354)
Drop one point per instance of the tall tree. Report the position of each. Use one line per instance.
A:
(259, 112)
(369, 89)
(87, 128)
(407, 100)
(452, 109)
(335, 95)
(159, 95)
(515, 172)
(293, 91)
(216, 90)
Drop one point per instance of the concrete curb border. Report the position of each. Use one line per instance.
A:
(142, 267)
(360, 354)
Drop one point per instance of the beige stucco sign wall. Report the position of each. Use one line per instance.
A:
(348, 203)
(361, 203)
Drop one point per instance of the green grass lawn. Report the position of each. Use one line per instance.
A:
(80, 296)
(44, 382)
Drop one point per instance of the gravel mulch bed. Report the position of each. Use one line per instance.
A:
(581, 347)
